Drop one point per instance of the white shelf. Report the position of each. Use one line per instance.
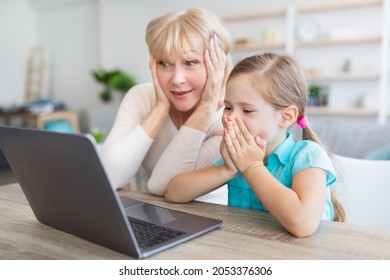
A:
(338, 6)
(343, 77)
(342, 112)
(254, 15)
(329, 42)
(255, 47)
(316, 43)
(300, 10)
(290, 15)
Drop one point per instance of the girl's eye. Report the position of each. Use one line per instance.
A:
(247, 111)
(227, 108)
(164, 64)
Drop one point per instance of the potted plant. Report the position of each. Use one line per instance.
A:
(113, 81)
(318, 95)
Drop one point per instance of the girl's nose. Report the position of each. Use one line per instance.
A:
(228, 117)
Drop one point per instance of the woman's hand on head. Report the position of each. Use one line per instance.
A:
(161, 98)
(215, 60)
(244, 149)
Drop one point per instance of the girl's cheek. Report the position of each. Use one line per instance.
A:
(256, 131)
(264, 135)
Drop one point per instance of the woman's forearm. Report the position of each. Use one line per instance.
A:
(138, 120)
(153, 121)
(123, 158)
(202, 117)
(186, 152)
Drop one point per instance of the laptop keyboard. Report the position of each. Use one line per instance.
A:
(149, 235)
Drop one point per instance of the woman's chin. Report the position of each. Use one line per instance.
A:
(184, 108)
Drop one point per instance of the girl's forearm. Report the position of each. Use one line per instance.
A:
(188, 186)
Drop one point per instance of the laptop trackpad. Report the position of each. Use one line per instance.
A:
(153, 214)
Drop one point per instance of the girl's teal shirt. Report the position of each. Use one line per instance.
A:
(288, 159)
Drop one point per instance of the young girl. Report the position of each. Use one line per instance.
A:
(264, 167)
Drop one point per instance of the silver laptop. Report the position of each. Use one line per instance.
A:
(67, 188)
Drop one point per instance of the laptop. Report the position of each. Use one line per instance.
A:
(67, 188)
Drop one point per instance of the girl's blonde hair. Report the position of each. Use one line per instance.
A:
(282, 83)
(185, 31)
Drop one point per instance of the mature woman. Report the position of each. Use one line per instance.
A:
(173, 125)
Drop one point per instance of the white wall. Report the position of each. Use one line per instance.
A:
(70, 31)
(17, 34)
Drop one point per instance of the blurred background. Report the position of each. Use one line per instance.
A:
(343, 46)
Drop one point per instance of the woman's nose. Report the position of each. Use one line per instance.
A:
(178, 76)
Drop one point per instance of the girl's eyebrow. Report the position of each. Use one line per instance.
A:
(245, 104)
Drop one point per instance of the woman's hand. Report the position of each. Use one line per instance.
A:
(215, 60)
(244, 149)
(153, 121)
(161, 98)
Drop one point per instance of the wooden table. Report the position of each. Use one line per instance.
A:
(245, 234)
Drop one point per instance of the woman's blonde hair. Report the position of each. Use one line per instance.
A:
(182, 31)
(282, 83)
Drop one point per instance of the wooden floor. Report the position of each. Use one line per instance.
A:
(6, 176)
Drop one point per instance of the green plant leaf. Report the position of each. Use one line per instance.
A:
(122, 82)
(315, 90)
(106, 95)
(116, 80)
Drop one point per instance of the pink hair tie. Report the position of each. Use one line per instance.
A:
(303, 122)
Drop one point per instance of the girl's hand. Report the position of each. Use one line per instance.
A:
(226, 158)
(215, 60)
(244, 149)
(161, 98)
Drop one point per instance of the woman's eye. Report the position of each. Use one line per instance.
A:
(164, 64)
(191, 62)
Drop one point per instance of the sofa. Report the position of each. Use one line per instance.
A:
(357, 137)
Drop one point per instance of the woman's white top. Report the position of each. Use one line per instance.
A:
(173, 151)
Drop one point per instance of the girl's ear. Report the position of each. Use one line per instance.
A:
(289, 117)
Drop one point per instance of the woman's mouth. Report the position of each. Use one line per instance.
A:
(181, 94)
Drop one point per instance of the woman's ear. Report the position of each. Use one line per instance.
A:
(289, 117)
